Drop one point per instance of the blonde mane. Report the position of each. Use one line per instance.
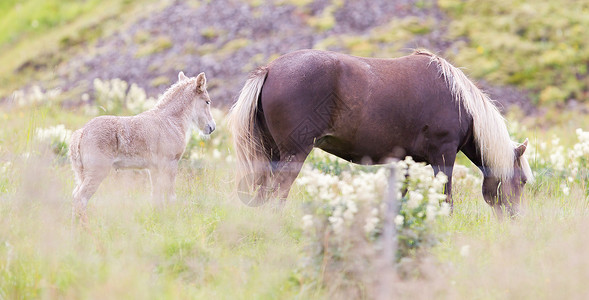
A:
(490, 132)
(171, 92)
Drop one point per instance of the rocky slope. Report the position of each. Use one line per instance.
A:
(228, 38)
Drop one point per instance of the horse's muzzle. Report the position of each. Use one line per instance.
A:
(209, 128)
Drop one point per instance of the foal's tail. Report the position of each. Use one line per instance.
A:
(75, 157)
(248, 136)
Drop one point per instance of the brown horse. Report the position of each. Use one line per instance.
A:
(367, 110)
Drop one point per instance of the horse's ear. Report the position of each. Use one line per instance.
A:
(520, 149)
(201, 82)
(181, 76)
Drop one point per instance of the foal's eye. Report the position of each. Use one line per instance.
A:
(208, 102)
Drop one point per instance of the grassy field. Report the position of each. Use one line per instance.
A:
(38, 35)
(209, 244)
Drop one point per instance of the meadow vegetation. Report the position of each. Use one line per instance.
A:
(322, 244)
(539, 46)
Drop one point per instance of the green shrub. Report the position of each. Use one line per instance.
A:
(537, 45)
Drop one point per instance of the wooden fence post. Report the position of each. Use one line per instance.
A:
(389, 237)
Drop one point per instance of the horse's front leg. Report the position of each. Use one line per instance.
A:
(445, 163)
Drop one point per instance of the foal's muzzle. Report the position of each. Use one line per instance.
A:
(209, 128)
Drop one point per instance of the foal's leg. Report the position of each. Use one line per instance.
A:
(157, 191)
(93, 176)
(163, 179)
(170, 171)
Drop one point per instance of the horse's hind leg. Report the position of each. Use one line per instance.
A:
(91, 181)
(287, 170)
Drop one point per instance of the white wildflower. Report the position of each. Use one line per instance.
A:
(137, 101)
(5, 167)
(216, 154)
(195, 155)
(54, 134)
(337, 223)
(465, 250)
(565, 189)
(444, 209)
(440, 180)
(307, 222)
(34, 95)
(399, 220)
(431, 212)
(415, 199)
(371, 223)
(351, 210)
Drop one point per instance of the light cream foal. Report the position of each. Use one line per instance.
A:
(153, 140)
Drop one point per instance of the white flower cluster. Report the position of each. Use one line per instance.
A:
(341, 197)
(137, 100)
(424, 192)
(345, 209)
(35, 95)
(55, 133)
(579, 155)
(462, 176)
(557, 156)
(56, 136)
(561, 161)
(112, 95)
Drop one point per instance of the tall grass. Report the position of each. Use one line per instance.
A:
(206, 245)
(210, 245)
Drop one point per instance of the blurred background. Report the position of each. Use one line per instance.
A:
(532, 54)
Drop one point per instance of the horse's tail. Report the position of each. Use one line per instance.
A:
(248, 136)
(490, 131)
(75, 156)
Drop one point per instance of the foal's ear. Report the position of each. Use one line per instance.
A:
(181, 76)
(520, 149)
(201, 82)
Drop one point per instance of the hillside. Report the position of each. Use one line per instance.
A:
(227, 39)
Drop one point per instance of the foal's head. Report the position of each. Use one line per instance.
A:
(507, 193)
(201, 103)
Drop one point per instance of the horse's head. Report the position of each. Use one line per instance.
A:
(201, 111)
(507, 193)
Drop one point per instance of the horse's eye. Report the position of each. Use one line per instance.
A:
(208, 102)
(524, 181)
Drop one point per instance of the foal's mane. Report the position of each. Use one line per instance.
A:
(172, 92)
(490, 132)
